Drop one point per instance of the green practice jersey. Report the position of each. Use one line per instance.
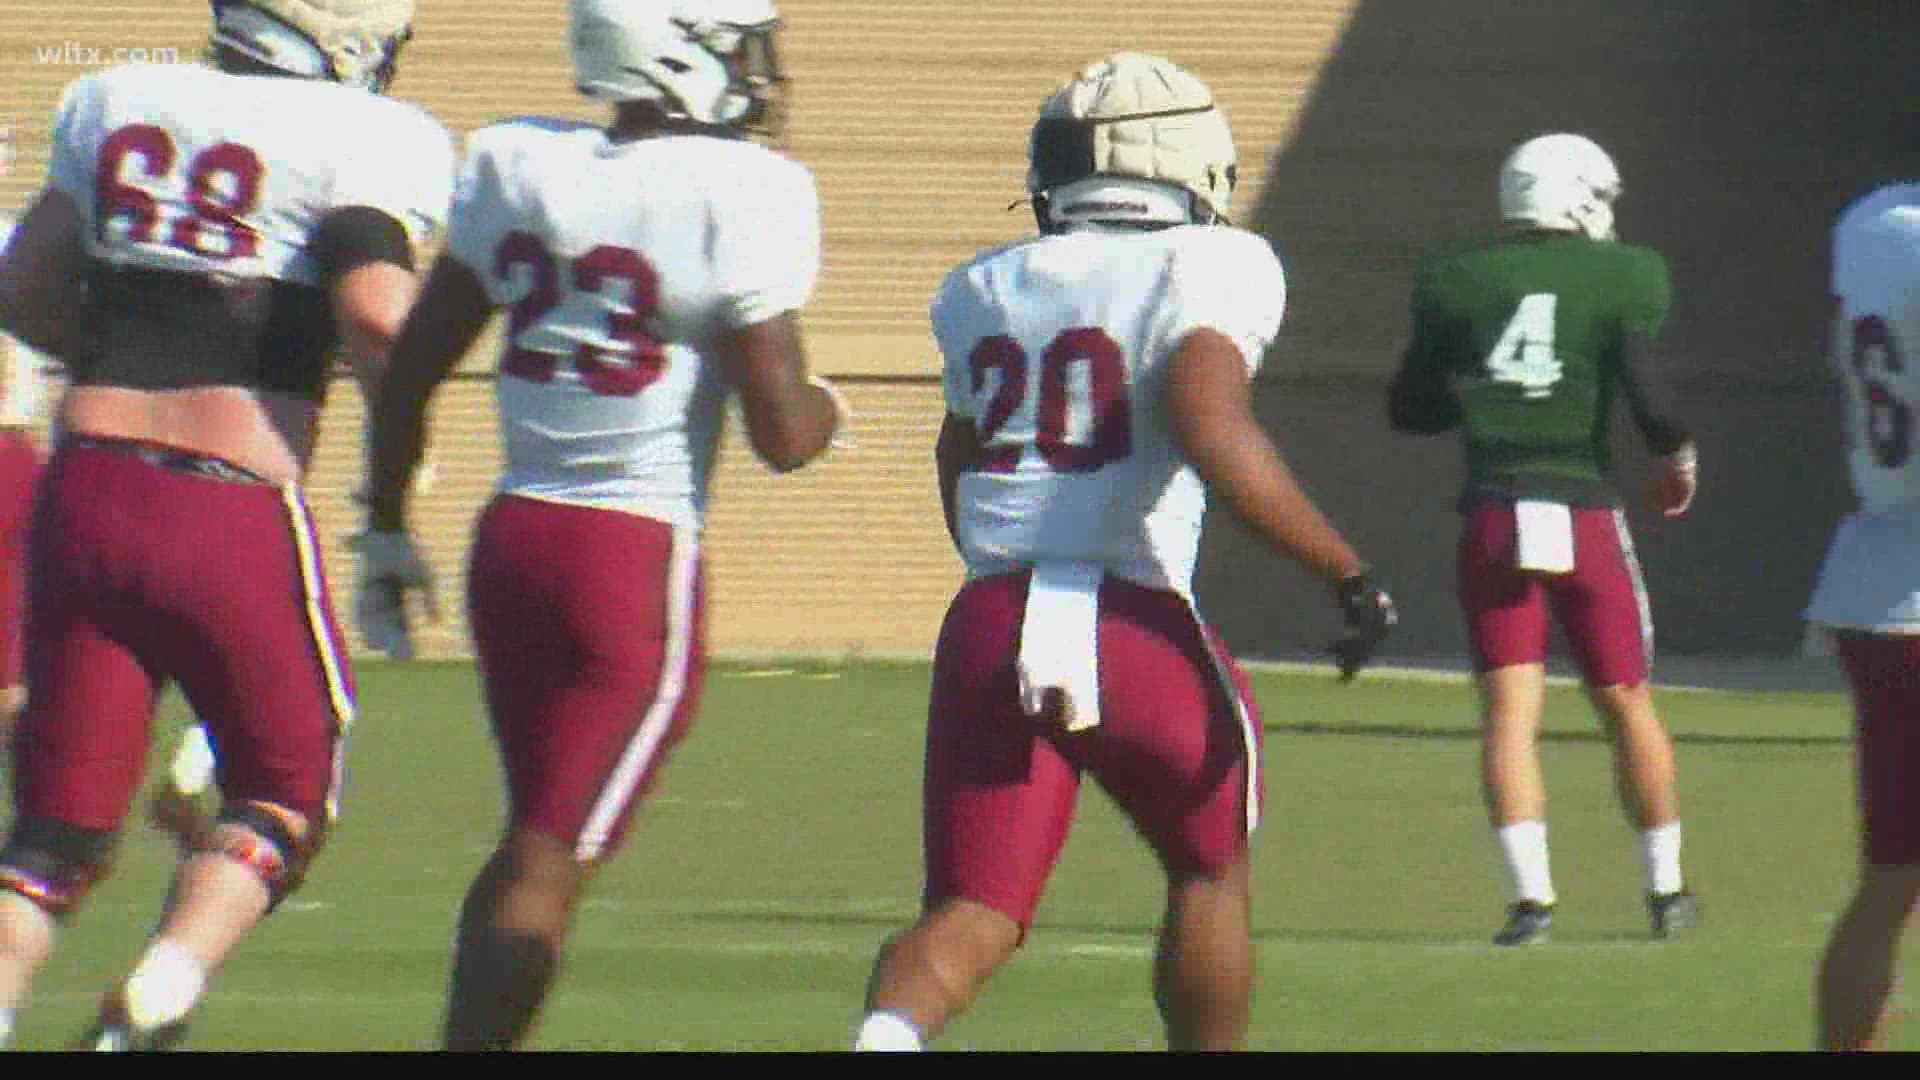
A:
(1524, 341)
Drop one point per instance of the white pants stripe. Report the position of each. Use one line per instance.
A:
(332, 664)
(638, 757)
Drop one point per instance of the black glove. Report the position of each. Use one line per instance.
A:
(1367, 612)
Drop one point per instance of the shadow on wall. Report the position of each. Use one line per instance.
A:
(1740, 129)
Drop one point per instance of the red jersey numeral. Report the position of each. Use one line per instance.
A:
(610, 373)
(1102, 394)
(222, 185)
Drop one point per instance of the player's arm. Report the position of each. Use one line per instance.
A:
(367, 267)
(1650, 399)
(1421, 399)
(791, 416)
(953, 454)
(1215, 430)
(452, 311)
(43, 277)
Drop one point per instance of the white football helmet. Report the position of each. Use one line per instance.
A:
(1562, 182)
(709, 61)
(354, 42)
(1134, 139)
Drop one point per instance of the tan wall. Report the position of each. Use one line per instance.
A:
(913, 114)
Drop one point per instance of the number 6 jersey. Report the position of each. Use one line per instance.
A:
(621, 264)
(1057, 349)
(1870, 579)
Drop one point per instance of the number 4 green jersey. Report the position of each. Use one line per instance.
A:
(1523, 342)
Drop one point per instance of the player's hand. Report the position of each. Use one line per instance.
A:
(842, 412)
(1675, 479)
(1369, 616)
(388, 568)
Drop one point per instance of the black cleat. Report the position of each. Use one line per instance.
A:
(1527, 924)
(113, 1032)
(1671, 913)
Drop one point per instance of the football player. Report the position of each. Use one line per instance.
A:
(1097, 389)
(651, 267)
(20, 461)
(208, 235)
(1868, 598)
(1521, 341)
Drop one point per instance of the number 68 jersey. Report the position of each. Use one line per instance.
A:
(1057, 349)
(621, 265)
(191, 169)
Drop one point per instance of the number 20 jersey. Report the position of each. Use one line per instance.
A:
(621, 265)
(1057, 349)
(188, 168)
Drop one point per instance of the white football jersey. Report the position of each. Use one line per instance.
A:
(188, 168)
(1056, 348)
(21, 397)
(1871, 577)
(621, 264)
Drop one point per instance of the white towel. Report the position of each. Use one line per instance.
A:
(1543, 536)
(1059, 642)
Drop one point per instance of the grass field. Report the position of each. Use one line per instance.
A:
(784, 845)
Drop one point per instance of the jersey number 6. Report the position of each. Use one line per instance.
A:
(1107, 415)
(607, 372)
(1889, 421)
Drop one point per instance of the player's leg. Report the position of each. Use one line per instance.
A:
(82, 744)
(176, 805)
(589, 629)
(1859, 967)
(1506, 622)
(252, 641)
(998, 802)
(1178, 750)
(1602, 606)
(19, 472)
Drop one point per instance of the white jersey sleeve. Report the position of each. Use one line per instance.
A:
(479, 209)
(410, 178)
(22, 395)
(1230, 282)
(76, 136)
(767, 243)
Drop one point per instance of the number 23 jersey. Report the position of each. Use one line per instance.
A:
(1057, 349)
(621, 265)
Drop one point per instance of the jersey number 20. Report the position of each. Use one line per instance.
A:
(1102, 395)
(1524, 356)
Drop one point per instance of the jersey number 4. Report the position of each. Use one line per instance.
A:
(1524, 356)
(1099, 401)
(638, 362)
(222, 185)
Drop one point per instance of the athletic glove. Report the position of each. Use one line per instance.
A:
(387, 567)
(1368, 615)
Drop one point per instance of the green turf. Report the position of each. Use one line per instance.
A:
(783, 845)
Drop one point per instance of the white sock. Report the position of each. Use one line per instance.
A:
(886, 1031)
(1660, 854)
(1523, 846)
(164, 986)
(6, 1027)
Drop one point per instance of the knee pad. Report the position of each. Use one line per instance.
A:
(54, 864)
(263, 841)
